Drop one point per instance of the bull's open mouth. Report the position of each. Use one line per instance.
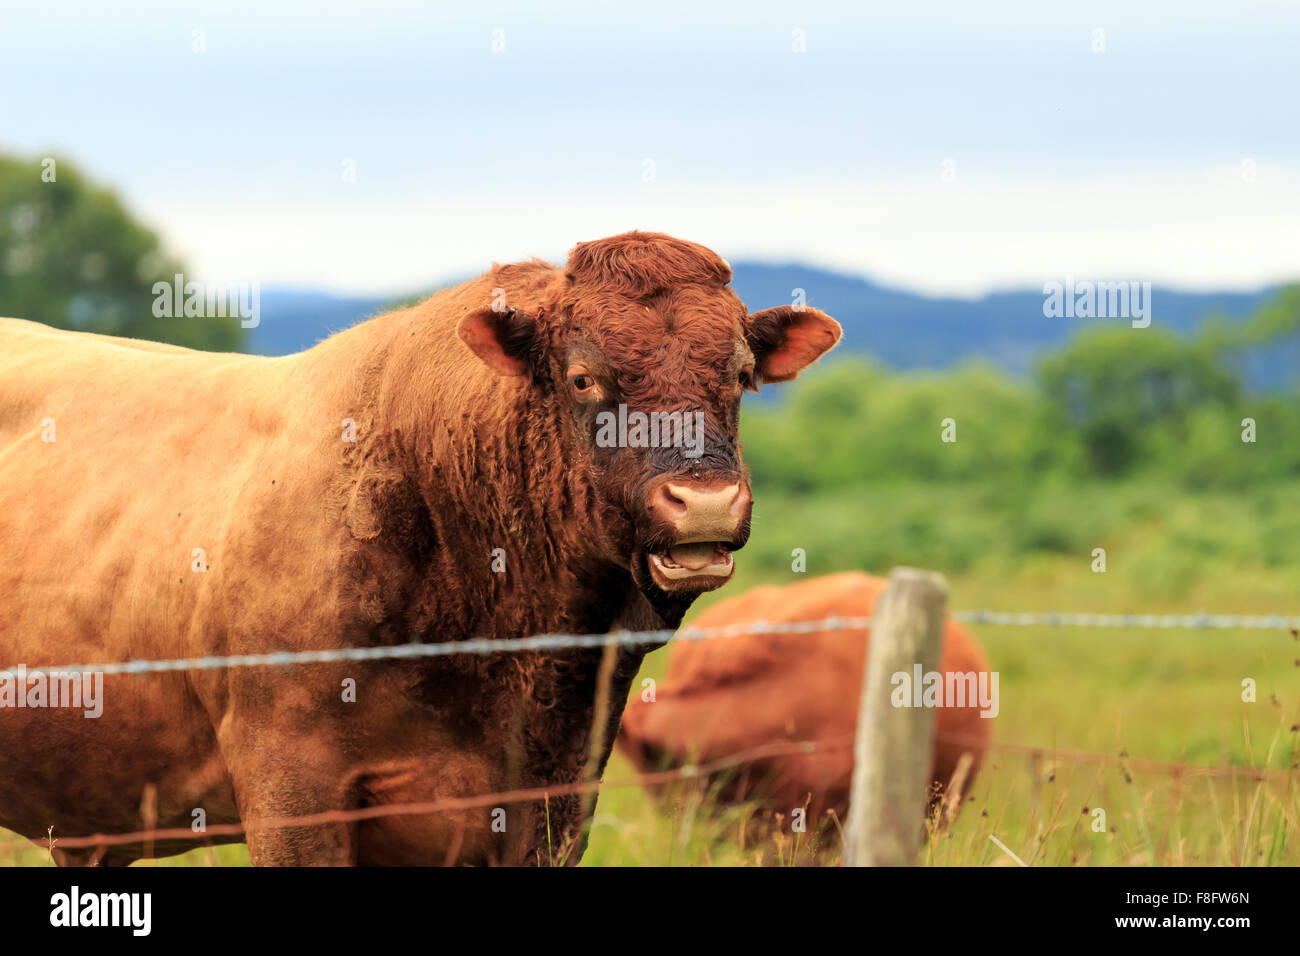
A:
(698, 566)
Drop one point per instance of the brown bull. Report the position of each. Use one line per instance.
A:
(726, 695)
(441, 472)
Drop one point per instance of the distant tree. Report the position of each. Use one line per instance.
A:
(1278, 319)
(1112, 390)
(1112, 402)
(71, 256)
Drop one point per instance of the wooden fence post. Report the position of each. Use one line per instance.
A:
(894, 745)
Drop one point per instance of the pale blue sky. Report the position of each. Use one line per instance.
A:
(1127, 162)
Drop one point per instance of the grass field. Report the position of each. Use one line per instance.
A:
(1155, 695)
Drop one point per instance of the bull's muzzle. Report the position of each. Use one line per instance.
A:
(708, 519)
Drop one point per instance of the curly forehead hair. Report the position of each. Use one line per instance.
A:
(643, 297)
(640, 264)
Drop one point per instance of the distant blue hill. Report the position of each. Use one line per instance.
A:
(296, 319)
(907, 331)
(901, 329)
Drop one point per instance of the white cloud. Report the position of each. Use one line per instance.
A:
(1198, 228)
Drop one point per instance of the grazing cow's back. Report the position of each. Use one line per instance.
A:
(726, 695)
(433, 474)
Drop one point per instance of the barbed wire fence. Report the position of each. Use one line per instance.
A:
(624, 638)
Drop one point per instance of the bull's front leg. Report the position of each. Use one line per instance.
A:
(268, 793)
(278, 775)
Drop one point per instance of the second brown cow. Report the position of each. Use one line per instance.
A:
(724, 696)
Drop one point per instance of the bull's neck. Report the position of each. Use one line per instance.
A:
(524, 511)
(477, 509)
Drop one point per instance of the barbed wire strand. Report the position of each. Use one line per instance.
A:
(538, 642)
(1199, 621)
(650, 779)
(446, 804)
(1123, 760)
(548, 642)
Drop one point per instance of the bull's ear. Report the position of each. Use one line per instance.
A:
(788, 339)
(504, 340)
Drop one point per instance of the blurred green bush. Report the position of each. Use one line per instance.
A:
(1124, 434)
(71, 256)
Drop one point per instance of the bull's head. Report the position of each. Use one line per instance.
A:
(643, 352)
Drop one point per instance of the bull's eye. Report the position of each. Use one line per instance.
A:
(746, 379)
(584, 384)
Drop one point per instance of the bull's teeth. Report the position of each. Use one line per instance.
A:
(716, 571)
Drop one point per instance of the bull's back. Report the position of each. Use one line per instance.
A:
(118, 459)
